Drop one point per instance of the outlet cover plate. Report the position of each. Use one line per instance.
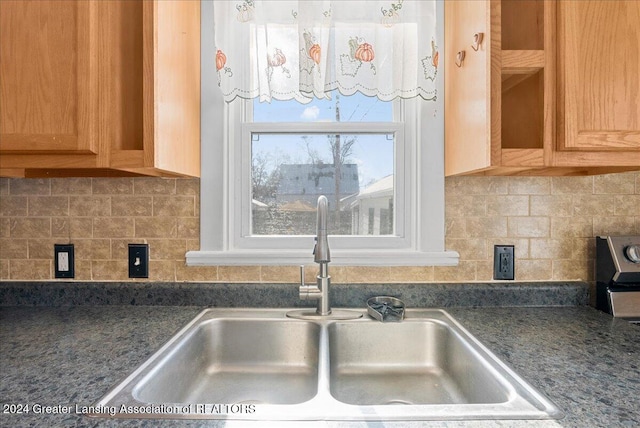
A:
(503, 262)
(138, 260)
(63, 260)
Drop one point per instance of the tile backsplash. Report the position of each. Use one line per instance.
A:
(551, 221)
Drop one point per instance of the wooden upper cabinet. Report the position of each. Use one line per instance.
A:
(47, 98)
(103, 87)
(599, 82)
(497, 97)
(554, 89)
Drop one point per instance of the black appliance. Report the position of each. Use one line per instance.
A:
(618, 276)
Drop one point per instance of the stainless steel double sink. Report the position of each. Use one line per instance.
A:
(258, 364)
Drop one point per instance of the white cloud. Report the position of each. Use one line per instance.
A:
(310, 113)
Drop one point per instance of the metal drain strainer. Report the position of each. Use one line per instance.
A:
(385, 308)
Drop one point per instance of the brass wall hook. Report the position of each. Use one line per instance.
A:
(460, 58)
(477, 41)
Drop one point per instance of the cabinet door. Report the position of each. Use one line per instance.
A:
(45, 90)
(599, 77)
(467, 88)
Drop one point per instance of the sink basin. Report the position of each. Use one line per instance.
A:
(267, 361)
(421, 362)
(258, 364)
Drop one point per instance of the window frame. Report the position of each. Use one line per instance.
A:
(422, 240)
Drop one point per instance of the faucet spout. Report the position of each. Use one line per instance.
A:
(321, 250)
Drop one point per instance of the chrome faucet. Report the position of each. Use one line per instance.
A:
(322, 256)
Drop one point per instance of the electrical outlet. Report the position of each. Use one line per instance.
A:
(138, 260)
(503, 262)
(63, 259)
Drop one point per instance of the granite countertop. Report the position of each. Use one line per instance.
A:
(584, 360)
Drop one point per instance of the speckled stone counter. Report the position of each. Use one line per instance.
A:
(572, 293)
(582, 359)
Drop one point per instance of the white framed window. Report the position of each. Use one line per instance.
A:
(405, 228)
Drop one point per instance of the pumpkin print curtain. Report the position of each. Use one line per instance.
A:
(303, 49)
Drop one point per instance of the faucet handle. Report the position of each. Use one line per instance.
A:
(302, 275)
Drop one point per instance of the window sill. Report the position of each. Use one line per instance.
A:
(338, 258)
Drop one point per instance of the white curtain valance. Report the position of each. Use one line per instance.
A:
(303, 49)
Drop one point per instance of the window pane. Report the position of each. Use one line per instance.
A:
(290, 171)
(352, 108)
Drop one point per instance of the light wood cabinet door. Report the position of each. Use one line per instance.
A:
(599, 81)
(467, 89)
(46, 98)
(100, 87)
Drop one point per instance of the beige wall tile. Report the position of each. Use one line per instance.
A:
(29, 186)
(167, 249)
(573, 270)
(528, 227)
(4, 187)
(188, 227)
(109, 270)
(585, 205)
(70, 186)
(112, 186)
(28, 227)
(484, 270)
(533, 270)
(367, 274)
(43, 206)
(614, 183)
(239, 273)
(280, 274)
(613, 226)
(571, 185)
(174, 206)
(82, 270)
(529, 185)
(551, 221)
(468, 248)
(465, 271)
(92, 249)
(89, 206)
(195, 273)
(476, 185)
(486, 227)
(571, 227)
(455, 227)
(14, 248)
(60, 227)
(5, 227)
(113, 227)
(155, 227)
(74, 227)
(13, 206)
(188, 186)
(162, 270)
(410, 274)
(551, 248)
(465, 206)
(507, 205)
(626, 205)
(4, 269)
(154, 186)
(131, 206)
(30, 269)
(41, 248)
(551, 205)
